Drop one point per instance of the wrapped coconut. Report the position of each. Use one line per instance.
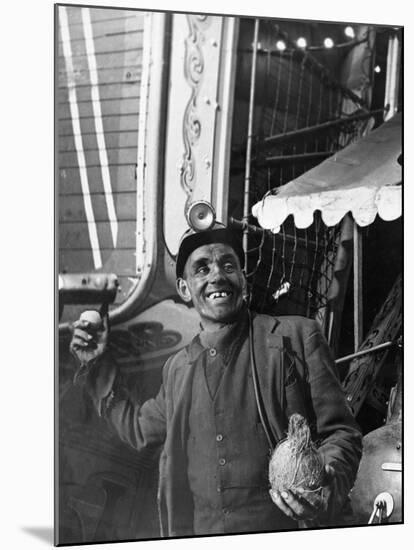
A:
(295, 462)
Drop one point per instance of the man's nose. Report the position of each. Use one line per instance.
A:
(216, 273)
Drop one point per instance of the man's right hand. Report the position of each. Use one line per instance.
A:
(89, 337)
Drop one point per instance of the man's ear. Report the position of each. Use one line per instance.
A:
(183, 290)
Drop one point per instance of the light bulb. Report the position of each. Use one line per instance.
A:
(301, 42)
(280, 45)
(349, 32)
(328, 43)
(377, 69)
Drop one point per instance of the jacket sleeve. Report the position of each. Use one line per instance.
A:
(143, 426)
(340, 436)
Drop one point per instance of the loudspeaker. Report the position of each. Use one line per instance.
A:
(200, 216)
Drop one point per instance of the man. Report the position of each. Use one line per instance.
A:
(215, 454)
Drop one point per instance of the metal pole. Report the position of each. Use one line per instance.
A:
(358, 309)
(246, 203)
(280, 138)
(352, 356)
(319, 155)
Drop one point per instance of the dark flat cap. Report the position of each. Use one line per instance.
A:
(219, 233)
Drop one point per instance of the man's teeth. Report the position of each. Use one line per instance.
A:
(222, 294)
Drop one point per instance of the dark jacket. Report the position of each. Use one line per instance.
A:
(296, 374)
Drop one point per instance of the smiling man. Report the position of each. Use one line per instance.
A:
(215, 454)
(210, 275)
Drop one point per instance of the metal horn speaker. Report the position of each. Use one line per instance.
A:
(200, 216)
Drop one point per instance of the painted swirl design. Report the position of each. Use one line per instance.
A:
(193, 71)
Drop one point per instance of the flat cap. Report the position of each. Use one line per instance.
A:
(219, 233)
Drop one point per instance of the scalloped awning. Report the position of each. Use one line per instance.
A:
(364, 179)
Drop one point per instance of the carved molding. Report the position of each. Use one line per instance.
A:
(194, 73)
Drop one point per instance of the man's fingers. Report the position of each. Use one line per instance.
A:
(300, 507)
(80, 344)
(280, 503)
(80, 323)
(80, 334)
(310, 501)
(82, 340)
(76, 344)
(88, 339)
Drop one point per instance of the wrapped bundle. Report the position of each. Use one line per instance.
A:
(295, 462)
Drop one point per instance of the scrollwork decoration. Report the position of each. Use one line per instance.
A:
(193, 72)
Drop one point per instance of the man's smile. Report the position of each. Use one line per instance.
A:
(214, 282)
(219, 294)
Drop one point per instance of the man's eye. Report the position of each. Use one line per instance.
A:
(228, 267)
(202, 270)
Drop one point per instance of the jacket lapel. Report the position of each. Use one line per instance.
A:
(269, 356)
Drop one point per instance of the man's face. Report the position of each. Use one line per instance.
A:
(214, 281)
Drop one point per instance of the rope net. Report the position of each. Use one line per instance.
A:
(290, 272)
(305, 115)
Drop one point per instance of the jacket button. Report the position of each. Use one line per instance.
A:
(222, 461)
(213, 352)
(219, 437)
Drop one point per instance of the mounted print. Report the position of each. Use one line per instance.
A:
(229, 241)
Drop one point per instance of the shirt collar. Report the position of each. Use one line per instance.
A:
(222, 340)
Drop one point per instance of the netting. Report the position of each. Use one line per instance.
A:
(305, 115)
(290, 272)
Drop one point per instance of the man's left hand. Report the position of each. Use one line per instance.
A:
(300, 504)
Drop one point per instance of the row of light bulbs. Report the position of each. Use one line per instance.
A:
(328, 43)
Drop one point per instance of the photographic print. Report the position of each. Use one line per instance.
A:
(229, 255)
